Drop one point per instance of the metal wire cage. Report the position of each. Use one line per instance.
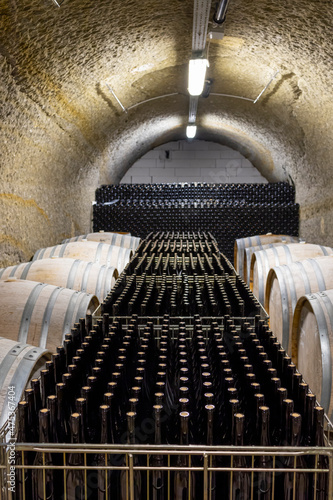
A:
(142, 471)
(159, 472)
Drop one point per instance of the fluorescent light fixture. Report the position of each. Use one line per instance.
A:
(191, 130)
(197, 75)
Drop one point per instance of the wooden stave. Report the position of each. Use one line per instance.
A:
(264, 260)
(308, 275)
(92, 251)
(40, 317)
(117, 239)
(74, 274)
(321, 306)
(249, 251)
(242, 243)
(19, 363)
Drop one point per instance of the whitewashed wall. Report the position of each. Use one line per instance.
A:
(192, 161)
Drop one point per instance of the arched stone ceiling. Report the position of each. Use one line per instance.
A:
(63, 133)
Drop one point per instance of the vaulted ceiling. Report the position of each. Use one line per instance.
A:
(63, 132)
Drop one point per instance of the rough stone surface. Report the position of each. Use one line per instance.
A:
(62, 133)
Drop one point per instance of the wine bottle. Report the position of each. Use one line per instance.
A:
(105, 478)
(45, 386)
(75, 485)
(263, 480)
(253, 429)
(159, 477)
(320, 482)
(88, 323)
(52, 405)
(69, 351)
(231, 408)
(35, 386)
(296, 484)
(297, 379)
(125, 483)
(287, 408)
(57, 458)
(210, 441)
(62, 416)
(109, 399)
(94, 398)
(56, 358)
(303, 390)
(49, 365)
(308, 420)
(281, 395)
(33, 424)
(81, 408)
(240, 482)
(62, 361)
(184, 481)
(42, 479)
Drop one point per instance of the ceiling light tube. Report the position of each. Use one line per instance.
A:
(221, 11)
(191, 131)
(197, 75)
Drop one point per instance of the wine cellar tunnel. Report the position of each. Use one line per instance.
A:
(166, 248)
(63, 133)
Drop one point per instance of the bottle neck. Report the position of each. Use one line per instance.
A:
(104, 429)
(309, 404)
(239, 429)
(45, 385)
(131, 427)
(44, 423)
(75, 428)
(210, 414)
(319, 426)
(288, 405)
(22, 422)
(296, 428)
(35, 385)
(184, 420)
(264, 426)
(233, 409)
(158, 424)
(52, 406)
(60, 397)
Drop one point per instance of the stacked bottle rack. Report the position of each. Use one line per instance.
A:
(229, 211)
(157, 399)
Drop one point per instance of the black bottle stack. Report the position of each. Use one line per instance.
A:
(229, 211)
(180, 355)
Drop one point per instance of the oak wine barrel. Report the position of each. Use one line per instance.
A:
(91, 251)
(19, 363)
(248, 252)
(312, 344)
(286, 284)
(118, 239)
(264, 260)
(40, 314)
(69, 273)
(263, 239)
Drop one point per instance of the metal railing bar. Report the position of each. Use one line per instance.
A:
(175, 450)
(170, 468)
(131, 476)
(205, 485)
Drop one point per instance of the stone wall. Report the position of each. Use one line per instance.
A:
(63, 133)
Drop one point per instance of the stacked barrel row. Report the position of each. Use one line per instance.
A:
(293, 280)
(41, 300)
